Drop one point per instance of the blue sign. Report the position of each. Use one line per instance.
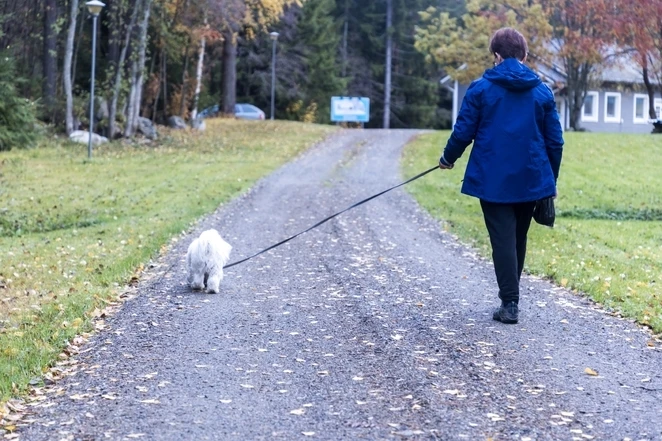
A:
(350, 109)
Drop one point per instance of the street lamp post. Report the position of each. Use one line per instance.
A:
(94, 7)
(274, 38)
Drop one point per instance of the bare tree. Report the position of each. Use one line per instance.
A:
(137, 72)
(68, 55)
(118, 72)
(198, 71)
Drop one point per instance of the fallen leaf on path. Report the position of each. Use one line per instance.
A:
(408, 433)
(308, 433)
(299, 411)
(591, 372)
(151, 401)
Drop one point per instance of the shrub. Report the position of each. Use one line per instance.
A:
(17, 115)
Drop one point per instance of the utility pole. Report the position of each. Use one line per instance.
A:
(389, 50)
(344, 40)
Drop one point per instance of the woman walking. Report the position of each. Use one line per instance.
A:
(510, 115)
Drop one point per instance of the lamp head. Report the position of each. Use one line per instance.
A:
(274, 35)
(95, 7)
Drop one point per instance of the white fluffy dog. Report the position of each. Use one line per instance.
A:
(205, 258)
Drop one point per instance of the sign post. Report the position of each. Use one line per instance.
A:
(350, 109)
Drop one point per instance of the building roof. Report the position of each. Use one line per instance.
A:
(619, 66)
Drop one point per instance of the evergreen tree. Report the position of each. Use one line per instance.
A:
(415, 88)
(17, 115)
(320, 37)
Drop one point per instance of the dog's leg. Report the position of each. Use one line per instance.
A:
(214, 281)
(190, 269)
(197, 281)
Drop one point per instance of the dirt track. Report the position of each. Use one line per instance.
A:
(377, 325)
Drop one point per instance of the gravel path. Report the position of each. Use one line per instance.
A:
(377, 325)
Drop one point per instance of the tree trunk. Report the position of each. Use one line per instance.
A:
(116, 19)
(157, 95)
(118, 73)
(50, 55)
(150, 73)
(137, 70)
(229, 82)
(182, 101)
(68, 55)
(77, 48)
(198, 75)
(650, 89)
(164, 72)
(577, 85)
(131, 107)
(389, 50)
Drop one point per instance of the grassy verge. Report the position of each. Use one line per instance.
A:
(73, 232)
(607, 241)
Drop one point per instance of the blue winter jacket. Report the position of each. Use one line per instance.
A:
(511, 117)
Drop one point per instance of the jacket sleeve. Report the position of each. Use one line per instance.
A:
(553, 135)
(466, 125)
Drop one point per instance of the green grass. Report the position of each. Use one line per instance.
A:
(607, 241)
(73, 232)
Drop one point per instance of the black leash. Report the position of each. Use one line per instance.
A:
(331, 217)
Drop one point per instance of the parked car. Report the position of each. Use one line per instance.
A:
(208, 112)
(247, 111)
(241, 111)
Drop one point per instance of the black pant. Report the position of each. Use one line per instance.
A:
(508, 225)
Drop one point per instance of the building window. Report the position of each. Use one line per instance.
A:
(590, 107)
(658, 108)
(612, 107)
(640, 109)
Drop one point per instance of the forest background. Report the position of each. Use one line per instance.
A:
(159, 58)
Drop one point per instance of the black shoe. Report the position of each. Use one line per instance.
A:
(507, 313)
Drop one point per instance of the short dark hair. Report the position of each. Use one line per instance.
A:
(509, 43)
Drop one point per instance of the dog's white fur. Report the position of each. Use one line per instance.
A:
(205, 259)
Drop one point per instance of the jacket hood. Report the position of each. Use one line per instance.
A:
(512, 75)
